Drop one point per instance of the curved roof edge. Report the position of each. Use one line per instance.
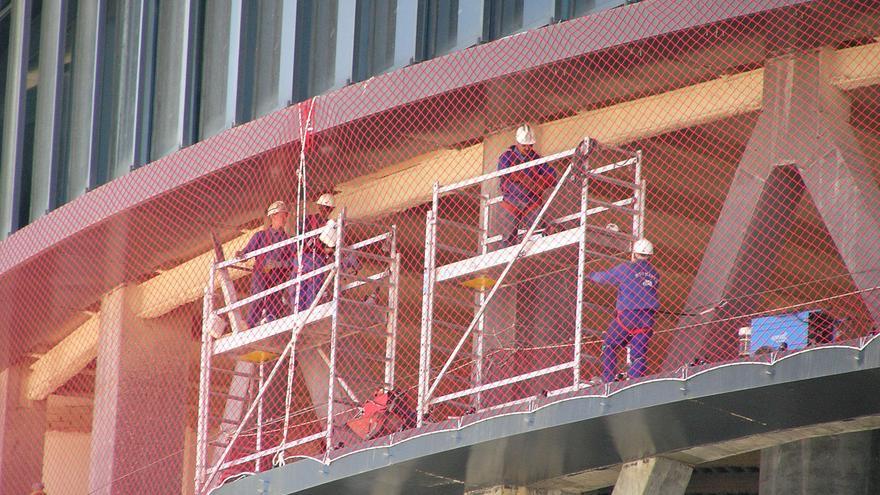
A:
(152, 180)
(589, 431)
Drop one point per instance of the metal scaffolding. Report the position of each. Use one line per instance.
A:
(584, 232)
(238, 431)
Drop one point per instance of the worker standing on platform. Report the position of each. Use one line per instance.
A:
(522, 191)
(637, 285)
(315, 252)
(272, 268)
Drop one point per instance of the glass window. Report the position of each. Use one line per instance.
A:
(32, 81)
(265, 73)
(449, 25)
(171, 44)
(375, 37)
(570, 9)
(324, 46)
(61, 174)
(4, 63)
(506, 17)
(126, 88)
(220, 23)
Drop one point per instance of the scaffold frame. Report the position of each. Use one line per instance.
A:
(248, 381)
(505, 258)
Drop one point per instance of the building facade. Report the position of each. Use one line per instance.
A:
(144, 140)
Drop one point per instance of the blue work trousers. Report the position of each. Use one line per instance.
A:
(273, 304)
(509, 223)
(616, 337)
(309, 288)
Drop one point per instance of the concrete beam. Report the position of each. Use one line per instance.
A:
(184, 283)
(412, 179)
(63, 361)
(600, 478)
(653, 476)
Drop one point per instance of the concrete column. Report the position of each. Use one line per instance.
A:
(514, 490)
(653, 476)
(534, 316)
(802, 143)
(22, 434)
(141, 390)
(833, 464)
(500, 329)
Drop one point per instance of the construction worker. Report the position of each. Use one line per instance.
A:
(272, 268)
(316, 253)
(637, 285)
(522, 191)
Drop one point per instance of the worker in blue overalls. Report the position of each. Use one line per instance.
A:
(272, 268)
(522, 191)
(637, 285)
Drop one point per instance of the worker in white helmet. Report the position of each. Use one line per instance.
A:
(315, 252)
(272, 268)
(319, 250)
(522, 191)
(638, 283)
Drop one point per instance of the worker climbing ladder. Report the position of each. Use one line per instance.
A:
(343, 344)
(454, 378)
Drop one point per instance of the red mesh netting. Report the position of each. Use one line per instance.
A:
(746, 150)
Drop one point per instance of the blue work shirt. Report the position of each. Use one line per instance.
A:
(637, 285)
(283, 257)
(517, 194)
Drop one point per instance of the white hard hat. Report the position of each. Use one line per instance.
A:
(613, 227)
(277, 207)
(525, 135)
(326, 199)
(330, 234)
(644, 247)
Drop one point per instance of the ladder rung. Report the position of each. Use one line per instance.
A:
(603, 255)
(232, 372)
(465, 192)
(460, 225)
(614, 207)
(448, 350)
(224, 420)
(356, 382)
(612, 180)
(365, 304)
(456, 250)
(377, 328)
(377, 257)
(368, 355)
(604, 231)
(366, 280)
(447, 324)
(458, 379)
(229, 396)
(460, 404)
(218, 443)
(457, 301)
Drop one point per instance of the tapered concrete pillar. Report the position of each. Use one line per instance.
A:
(22, 433)
(514, 490)
(802, 145)
(842, 464)
(654, 476)
(141, 390)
